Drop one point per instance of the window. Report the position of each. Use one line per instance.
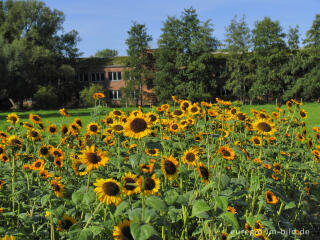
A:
(115, 94)
(97, 77)
(112, 76)
(82, 77)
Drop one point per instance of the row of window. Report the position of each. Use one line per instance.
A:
(98, 76)
(116, 94)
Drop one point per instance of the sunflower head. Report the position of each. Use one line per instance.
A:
(64, 112)
(65, 223)
(93, 128)
(264, 127)
(108, 191)
(271, 198)
(137, 126)
(35, 118)
(226, 152)
(13, 118)
(130, 184)
(203, 172)
(57, 187)
(190, 156)
(98, 95)
(151, 184)
(34, 134)
(122, 231)
(52, 129)
(152, 151)
(93, 159)
(169, 167)
(37, 165)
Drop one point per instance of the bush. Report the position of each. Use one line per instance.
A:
(87, 93)
(45, 98)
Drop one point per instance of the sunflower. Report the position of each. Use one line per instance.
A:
(190, 157)
(275, 115)
(108, 120)
(35, 118)
(58, 162)
(15, 141)
(264, 127)
(64, 130)
(184, 105)
(303, 113)
(116, 113)
(57, 187)
(34, 135)
(79, 168)
(165, 107)
(256, 140)
(226, 152)
(289, 104)
(224, 236)
(194, 109)
(203, 172)
(247, 227)
(241, 116)
(45, 174)
(57, 153)
(65, 223)
(212, 113)
(146, 168)
(231, 209)
(117, 126)
(2, 183)
(169, 167)
(3, 135)
(137, 126)
(151, 184)
(152, 152)
(13, 118)
(122, 231)
(2, 149)
(93, 128)
(108, 191)
(41, 126)
(153, 117)
(300, 137)
(93, 159)
(4, 158)
(177, 113)
(27, 125)
(271, 198)
(276, 167)
(174, 127)
(8, 237)
(130, 184)
(64, 112)
(37, 165)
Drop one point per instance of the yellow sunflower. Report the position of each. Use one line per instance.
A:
(2, 183)
(57, 153)
(79, 168)
(224, 236)
(2, 149)
(98, 95)
(34, 135)
(58, 162)
(190, 157)
(130, 184)
(303, 113)
(122, 231)
(27, 125)
(271, 198)
(300, 137)
(153, 117)
(93, 159)
(231, 209)
(137, 126)
(184, 105)
(45, 174)
(169, 167)
(13, 118)
(177, 113)
(264, 127)
(117, 126)
(65, 223)
(37, 165)
(151, 185)
(256, 140)
(194, 109)
(226, 152)
(64, 112)
(203, 172)
(108, 191)
(152, 151)
(57, 187)
(8, 237)
(64, 130)
(174, 127)
(15, 141)
(52, 129)
(35, 118)
(4, 158)
(93, 128)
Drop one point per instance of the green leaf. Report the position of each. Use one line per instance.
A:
(229, 217)
(157, 203)
(45, 199)
(85, 234)
(96, 230)
(77, 197)
(289, 205)
(200, 207)
(89, 197)
(142, 232)
(222, 202)
(121, 208)
(171, 196)
(135, 215)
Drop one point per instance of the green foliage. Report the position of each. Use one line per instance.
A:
(184, 62)
(45, 98)
(106, 53)
(87, 93)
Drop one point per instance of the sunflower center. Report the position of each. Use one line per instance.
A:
(174, 126)
(152, 151)
(149, 184)
(241, 116)
(52, 129)
(64, 130)
(226, 153)
(204, 173)
(13, 119)
(129, 187)
(117, 113)
(233, 111)
(138, 125)
(194, 109)
(269, 196)
(66, 224)
(170, 167)
(93, 128)
(109, 120)
(152, 118)
(38, 164)
(256, 141)
(93, 158)
(265, 127)
(34, 134)
(57, 153)
(16, 142)
(118, 127)
(1, 150)
(44, 151)
(190, 157)
(56, 187)
(262, 115)
(302, 114)
(36, 118)
(177, 112)
(111, 188)
(79, 123)
(126, 234)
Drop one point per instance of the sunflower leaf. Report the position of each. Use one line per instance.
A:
(121, 208)
(157, 203)
(199, 209)
(85, 234)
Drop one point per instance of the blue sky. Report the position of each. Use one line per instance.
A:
(104, 23)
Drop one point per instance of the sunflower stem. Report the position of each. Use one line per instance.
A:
(88, 183)
(92, 215)
(12, 181)
(143, 199)
(51, 222)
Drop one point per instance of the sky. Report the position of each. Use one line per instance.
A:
(104, 23)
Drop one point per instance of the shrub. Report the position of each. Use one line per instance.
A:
(45, 98)
(87, 93)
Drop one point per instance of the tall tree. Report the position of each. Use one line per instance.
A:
(239, 67)
(138, 70)
(106, 53)
(184, 60)
(269, 54)
(35, 48)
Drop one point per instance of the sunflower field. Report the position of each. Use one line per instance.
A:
(181, 171)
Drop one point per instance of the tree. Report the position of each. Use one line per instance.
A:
(138, 65)
(35, 49)
(106, 53)
(184, 61)
(269, 53)
(239, 68)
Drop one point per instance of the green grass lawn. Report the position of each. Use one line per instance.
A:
(85, 114)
